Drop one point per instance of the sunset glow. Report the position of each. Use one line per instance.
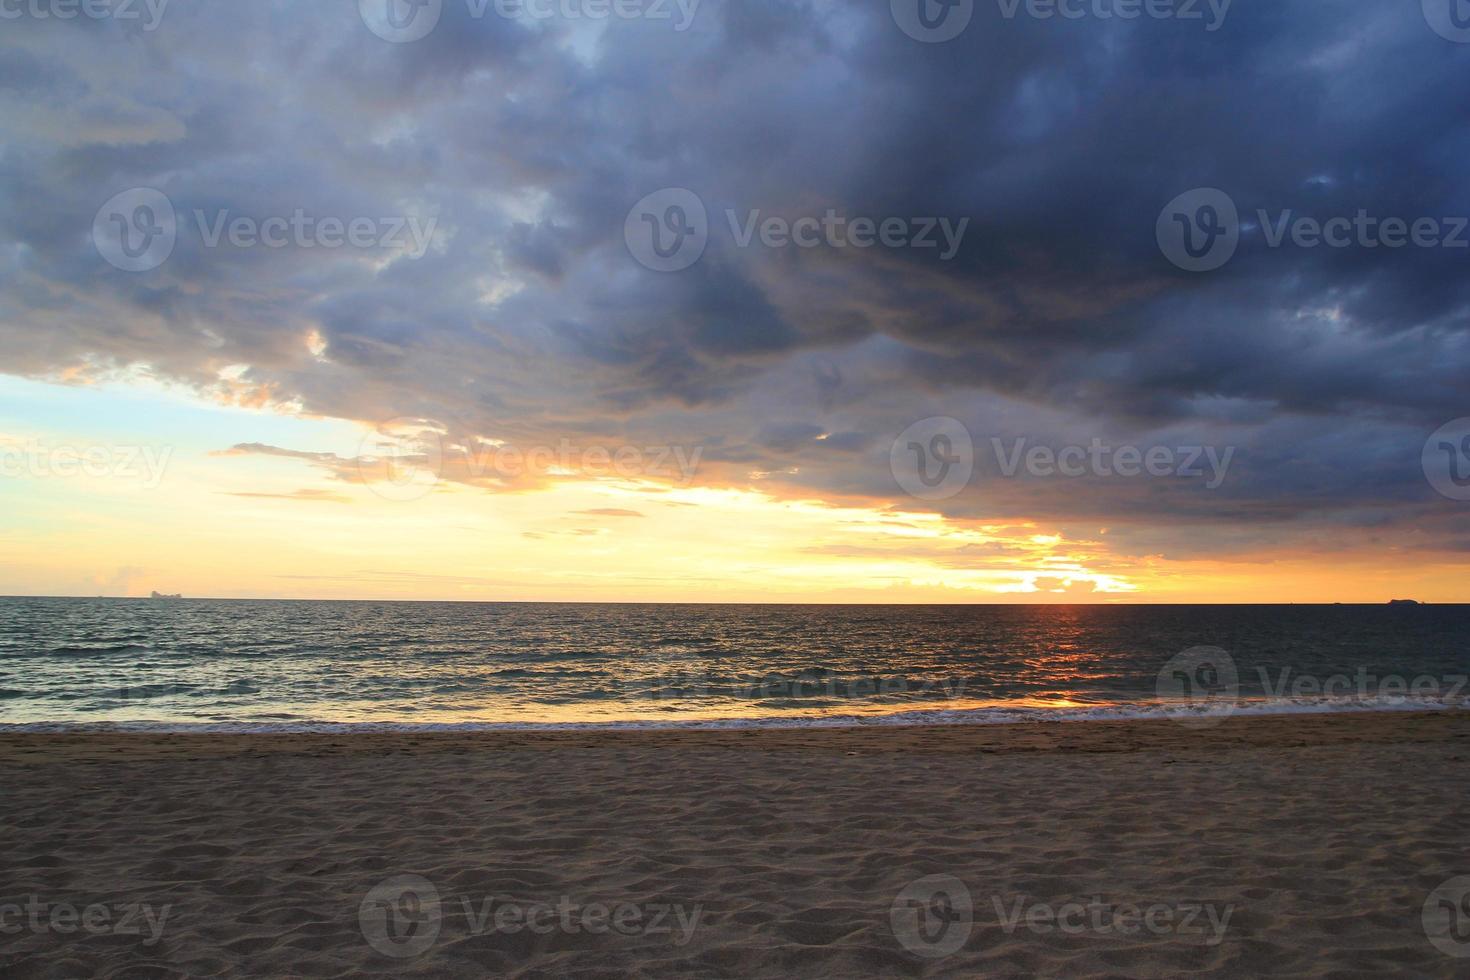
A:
(326, 526)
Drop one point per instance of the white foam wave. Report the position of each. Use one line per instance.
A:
(994, 715)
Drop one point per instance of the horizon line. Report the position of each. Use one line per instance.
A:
(716, 602)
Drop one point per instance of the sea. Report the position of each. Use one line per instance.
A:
(264, 665)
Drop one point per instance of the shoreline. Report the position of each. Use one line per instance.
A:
(992, 715)
(1298, 730)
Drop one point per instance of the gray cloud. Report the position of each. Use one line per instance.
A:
(1058, 320)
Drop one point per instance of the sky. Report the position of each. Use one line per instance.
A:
(743, 301)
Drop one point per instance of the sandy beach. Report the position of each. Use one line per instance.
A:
(1281, 846)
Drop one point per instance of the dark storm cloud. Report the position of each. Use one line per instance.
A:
(1057, 319)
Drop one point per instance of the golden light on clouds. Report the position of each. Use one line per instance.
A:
(206, 513)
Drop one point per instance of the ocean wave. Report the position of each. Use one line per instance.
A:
(994, 715)
(72, 650)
